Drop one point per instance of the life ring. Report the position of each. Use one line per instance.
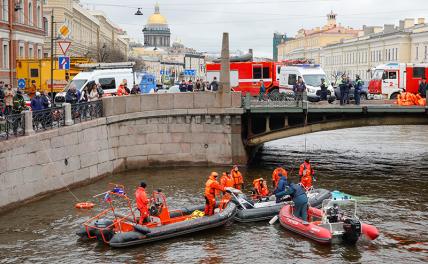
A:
(84, 205)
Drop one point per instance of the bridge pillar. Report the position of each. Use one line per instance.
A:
(285, 121)
(267, 124)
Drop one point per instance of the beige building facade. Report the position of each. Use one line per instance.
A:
(405, 43)
(307, 43)
(90, 31)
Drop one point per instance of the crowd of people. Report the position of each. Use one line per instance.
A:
(12, 100)
(199, 85)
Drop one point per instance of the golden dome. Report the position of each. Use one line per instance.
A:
(157, 18)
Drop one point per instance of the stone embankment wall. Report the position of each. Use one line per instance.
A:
(137, 131)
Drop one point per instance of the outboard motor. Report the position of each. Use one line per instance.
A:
(352, 228)
(106, 229)
(333, 214)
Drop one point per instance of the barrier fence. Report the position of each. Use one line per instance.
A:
(13, 125)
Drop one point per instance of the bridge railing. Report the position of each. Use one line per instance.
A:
(273, 100)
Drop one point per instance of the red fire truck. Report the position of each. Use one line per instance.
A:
(245, 76)
(389, 80)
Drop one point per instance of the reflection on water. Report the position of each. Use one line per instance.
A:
(386, 165)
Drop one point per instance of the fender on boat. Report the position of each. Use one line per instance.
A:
(125, 239)
(317, 196)
(371, 232)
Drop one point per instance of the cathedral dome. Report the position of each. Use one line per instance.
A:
(157, 18)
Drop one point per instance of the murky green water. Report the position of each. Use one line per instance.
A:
(386, 165)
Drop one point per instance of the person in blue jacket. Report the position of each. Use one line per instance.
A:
(300, 199)
(280, 189)
(37, 102)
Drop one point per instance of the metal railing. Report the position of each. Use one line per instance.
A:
(86, 111)
(12, 125)
(48, 118)
(272, 100)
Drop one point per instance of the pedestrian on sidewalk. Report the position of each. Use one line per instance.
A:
(358, 86)
(423, 88)
(214, 85)
(299, 88)
(262, 90)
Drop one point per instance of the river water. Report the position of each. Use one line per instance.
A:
(387, 166)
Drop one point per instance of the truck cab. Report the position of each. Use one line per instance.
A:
(311, 75)
(388, 81)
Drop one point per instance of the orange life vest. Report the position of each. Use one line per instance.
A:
(237, 177)
(211, 186)
(226, 181)
(260, 189)
(275, 175)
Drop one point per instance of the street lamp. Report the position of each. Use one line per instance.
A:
(138, 13)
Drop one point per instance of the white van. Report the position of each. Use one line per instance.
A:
(311, 75)
(110, 80)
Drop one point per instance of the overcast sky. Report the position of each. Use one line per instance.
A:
(251, 23)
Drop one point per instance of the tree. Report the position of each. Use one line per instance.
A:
(107, 54)
(139, 63)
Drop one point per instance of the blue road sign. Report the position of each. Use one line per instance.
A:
(21, 83)
(64, 63)
(190, 72)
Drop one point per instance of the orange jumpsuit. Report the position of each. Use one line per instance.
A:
(260, 188)
(237, 178)
(275, 175)
(306, 173)
(121, 90)
(210, 189)
(142, 203)
(226, 181)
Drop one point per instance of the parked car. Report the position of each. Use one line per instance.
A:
(363, 94)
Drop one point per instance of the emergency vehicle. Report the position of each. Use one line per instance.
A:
(245, 76)
(38, 71)
(311, 75)
(389, 80)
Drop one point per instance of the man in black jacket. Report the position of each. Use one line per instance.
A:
(423, 88)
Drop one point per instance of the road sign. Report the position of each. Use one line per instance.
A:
(190, 72)
(64, 63)
(64, 46)
(64, 31)
(21, 83)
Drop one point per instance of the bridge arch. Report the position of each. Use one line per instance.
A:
(289, 131)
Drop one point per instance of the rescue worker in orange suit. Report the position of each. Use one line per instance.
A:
(226, 181)
(260, 188)
(275, 175)
(306, 174)
(210, 191)
(142, 203)
(237, 177)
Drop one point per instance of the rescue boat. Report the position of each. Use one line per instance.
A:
(332, 225)
(122, 229)
(266, 208)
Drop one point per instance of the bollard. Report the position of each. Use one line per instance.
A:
(67, 114)
(28, 122)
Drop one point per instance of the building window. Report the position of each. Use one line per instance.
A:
(417, 53)
(39, 53)
(5, 56)
(396, 54)
(45, 26)
(30, 14)
(425, 57)
(5, 10)
(21, 12)
(31, 52)
(21, 52)
(39, 17)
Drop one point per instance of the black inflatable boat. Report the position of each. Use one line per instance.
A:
(121, 230)
(250, 211)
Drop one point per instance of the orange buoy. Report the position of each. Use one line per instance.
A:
(84, 205)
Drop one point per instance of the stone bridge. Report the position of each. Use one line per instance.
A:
(269, 120)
